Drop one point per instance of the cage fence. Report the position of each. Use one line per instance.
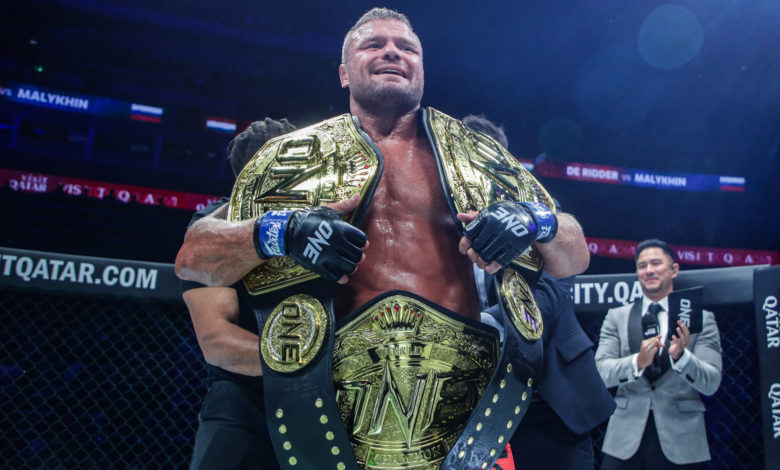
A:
(102, 382)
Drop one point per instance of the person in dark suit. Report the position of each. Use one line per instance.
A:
(659, 421)
(232, 432)
(570, 399)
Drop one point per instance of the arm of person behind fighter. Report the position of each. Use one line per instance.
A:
(217, 252)
(214, 312)
(501, 232)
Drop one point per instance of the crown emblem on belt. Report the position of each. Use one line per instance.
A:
(396, 318)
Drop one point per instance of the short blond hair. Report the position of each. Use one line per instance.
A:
(371, 15)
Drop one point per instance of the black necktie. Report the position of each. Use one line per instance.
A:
(654, 309)
(654, 370)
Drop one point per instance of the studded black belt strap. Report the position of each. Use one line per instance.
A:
(503, 404)
(296, 343)
(296, 340)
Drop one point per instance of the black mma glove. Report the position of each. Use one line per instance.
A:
(315, 238)
(506, 229)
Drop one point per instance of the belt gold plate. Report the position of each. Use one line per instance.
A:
(478, 172)
(407, 379)
(323, 163)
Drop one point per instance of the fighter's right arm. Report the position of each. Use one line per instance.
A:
(214, 312)
(217, 252)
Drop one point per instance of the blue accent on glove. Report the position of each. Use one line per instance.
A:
(546, 221)
(270, 233)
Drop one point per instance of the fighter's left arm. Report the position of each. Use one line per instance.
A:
(499, 233)
(567, 254)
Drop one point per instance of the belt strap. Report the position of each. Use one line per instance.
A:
(502, 406)
(303, 420)
(305, 424)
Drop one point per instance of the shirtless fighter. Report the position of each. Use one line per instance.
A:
(387, 366)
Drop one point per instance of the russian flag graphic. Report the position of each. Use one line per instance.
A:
(221, 124)
(732, 183)
(142, 112)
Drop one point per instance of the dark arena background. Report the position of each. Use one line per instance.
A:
(644, 119)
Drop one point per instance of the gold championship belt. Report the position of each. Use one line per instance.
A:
(479, 172)
(520, 305)
(331, 160)
(407, 378)
(316, 165)
(414, 387)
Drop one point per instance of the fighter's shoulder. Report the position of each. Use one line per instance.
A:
(478, 164)
(301, 154)
(312, 131)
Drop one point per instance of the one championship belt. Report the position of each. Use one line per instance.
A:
(408, 376)
(477, 171)
(409, 385)
(334, 159)
(422, 391)
(316, 165)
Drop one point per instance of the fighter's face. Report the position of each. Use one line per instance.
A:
(656, 272)
(384, 65)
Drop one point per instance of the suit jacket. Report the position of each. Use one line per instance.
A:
(570, 382)
(673, 397)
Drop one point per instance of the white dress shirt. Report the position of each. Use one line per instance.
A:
(663, 323)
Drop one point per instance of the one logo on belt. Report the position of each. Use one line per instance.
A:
(407, 380)
(294, 333)
(521, 306)
(379, 413)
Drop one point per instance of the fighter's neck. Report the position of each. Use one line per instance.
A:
(382, 126)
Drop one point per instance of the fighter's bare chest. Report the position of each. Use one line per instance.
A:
(410, 192)
(412, 239)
